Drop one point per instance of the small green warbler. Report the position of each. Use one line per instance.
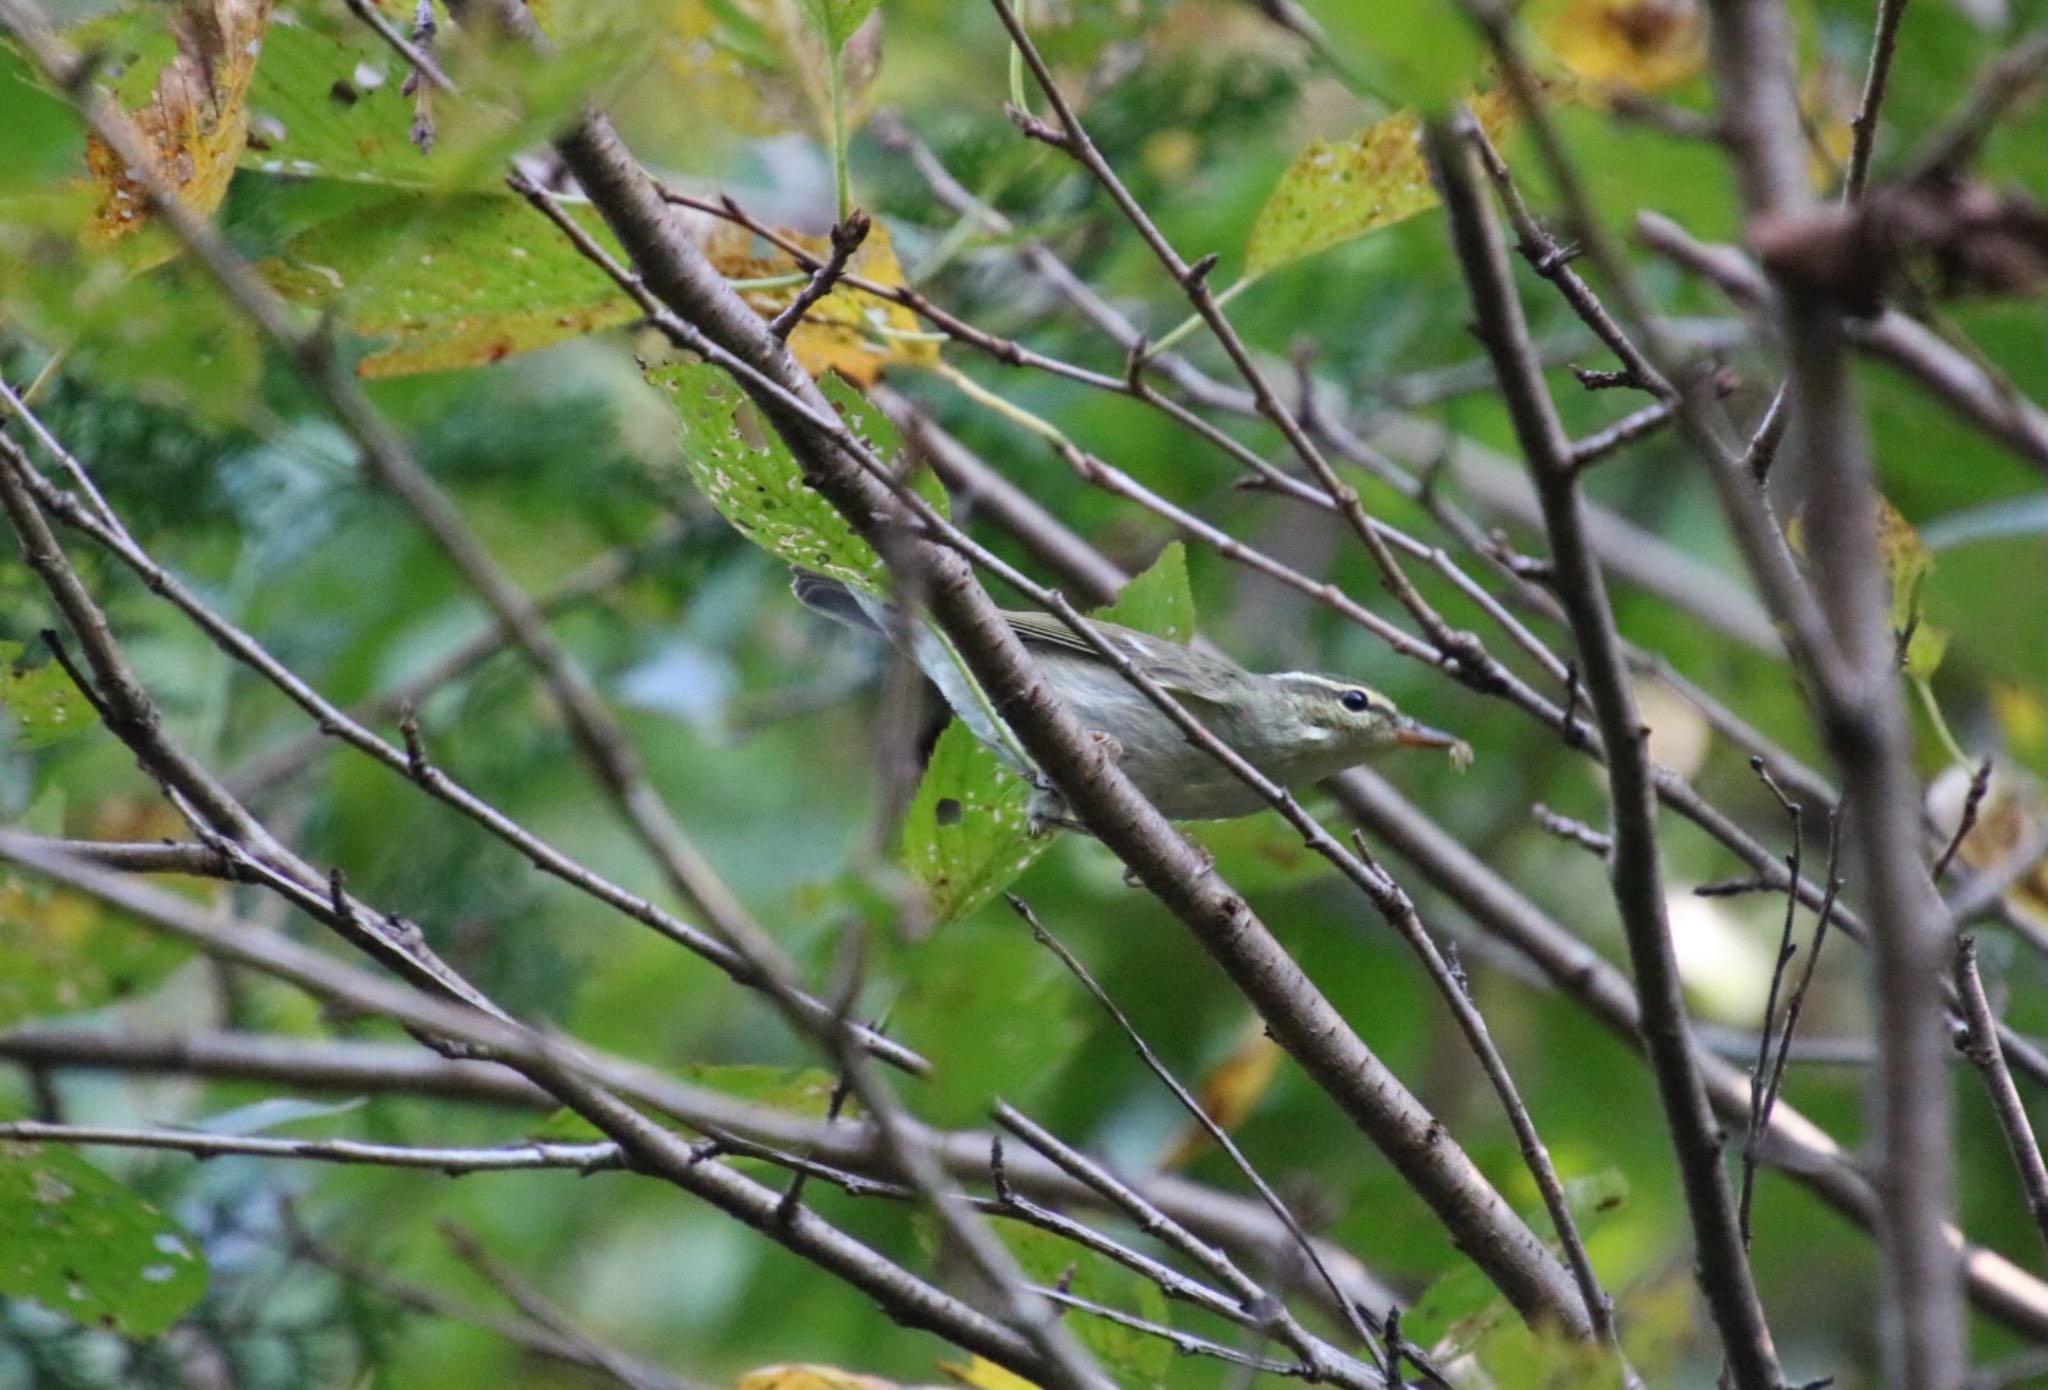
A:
(1294, 726)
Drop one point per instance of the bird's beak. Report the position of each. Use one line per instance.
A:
(1414, 735)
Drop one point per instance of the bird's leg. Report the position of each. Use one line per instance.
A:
(1048, 810)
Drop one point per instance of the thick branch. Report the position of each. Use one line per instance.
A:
(1636, 873)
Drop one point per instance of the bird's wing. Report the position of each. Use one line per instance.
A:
(1179, 669)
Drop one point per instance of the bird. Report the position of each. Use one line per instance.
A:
(1297, 727)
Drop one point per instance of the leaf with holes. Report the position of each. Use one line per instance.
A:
(753, 480)
(967, 835)
(84, 1246)
(42, 704)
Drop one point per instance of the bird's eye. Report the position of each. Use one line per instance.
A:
(1357, 701)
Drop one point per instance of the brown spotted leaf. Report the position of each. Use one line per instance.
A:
(195, 121)
(1638, 45)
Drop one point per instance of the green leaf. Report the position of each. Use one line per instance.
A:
(1460, 1305)
(1047, 1259)
(1158, 601)
(967, 836)
(42, 704)
(993, 1010)
(837, 19)
(799, 1090)
(82, 1245)
(1413, 52)
(750, 476)
(62, 952)
(451, 282)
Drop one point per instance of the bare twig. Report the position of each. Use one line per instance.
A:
(449, 1162)
(1854, 689)
(1597, 842)
(542, 1313)
(1635, 870)
(1979, 1042)
(1283, 1330)
(1973, 801)
(846, 239)
(1863, 125)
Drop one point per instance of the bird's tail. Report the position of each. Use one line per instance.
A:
(837, 602)
(934, 656)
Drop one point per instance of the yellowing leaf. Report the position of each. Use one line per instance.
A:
(2013, 810)
(2023, 718)
(1907, 564)
(1340, 189)
(759, 66)
(1829, 96)
(1641, 45)
(983, 1374)
(195, 124)
(1231, 1090)
(451, 282)
(810, 1376)
(846, 330)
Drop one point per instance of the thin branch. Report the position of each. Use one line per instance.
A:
(1979, 1042)
(1596, 842)
(542, 1313)
(1863, 125)
(846, 239)
(1973, 801)
(1284, 1329)
(1760, 1077)
(449, 1162)
(1854, 691)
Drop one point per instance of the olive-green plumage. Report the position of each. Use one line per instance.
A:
(1294, 726)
